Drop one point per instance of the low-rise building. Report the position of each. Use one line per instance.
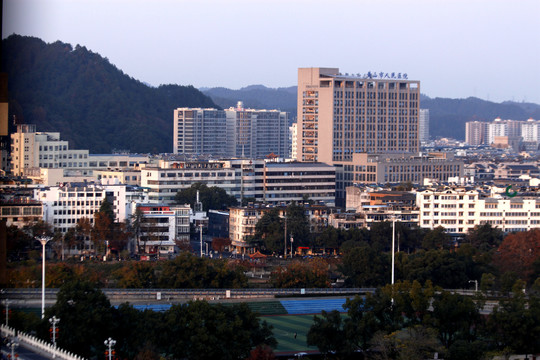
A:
(459, 210)
(20, 212)
(270, 182)
(162, 229)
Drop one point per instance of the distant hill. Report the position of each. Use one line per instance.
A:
(256, 97)
(93, 104)
(447, 116)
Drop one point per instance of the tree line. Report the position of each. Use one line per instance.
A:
(410, 321)
(194, 330)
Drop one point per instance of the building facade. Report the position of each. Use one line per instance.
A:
(235, 132)
(163, 229)
(476, 133)
(259, 180)
(340, 115)
(31, 150)
(423, 124)
(459, 210)
(64, 206)
(403, 168)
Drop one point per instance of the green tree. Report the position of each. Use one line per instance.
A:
(298, 225)
(484, 237)
(199, 331)
(214, 198)
(269, 232)
(191, 272)
(301, 274)
(436, 239)
(85, 316)
(363, 266)
(329, 334)
(455, 317)
(139, 275)
(515, 322)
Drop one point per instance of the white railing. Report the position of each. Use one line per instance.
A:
(38, 344)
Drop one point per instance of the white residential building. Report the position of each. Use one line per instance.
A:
(234, 132)
(423, 125)
(64, 206)
(459, 210)
(270, 182)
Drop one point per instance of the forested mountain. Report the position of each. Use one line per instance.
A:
(447, 116)
(88, 100)
(255, 97)
(96, 106)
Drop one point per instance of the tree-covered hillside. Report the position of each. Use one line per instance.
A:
(93, 104)
(256, 97)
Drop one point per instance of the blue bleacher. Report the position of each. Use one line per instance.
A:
(313, 306)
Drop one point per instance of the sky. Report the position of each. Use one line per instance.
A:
(489, 49)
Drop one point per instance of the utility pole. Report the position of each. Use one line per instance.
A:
(285, 235)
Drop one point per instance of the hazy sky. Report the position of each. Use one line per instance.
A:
(456, 48)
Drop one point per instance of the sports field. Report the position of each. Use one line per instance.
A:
(285, 328)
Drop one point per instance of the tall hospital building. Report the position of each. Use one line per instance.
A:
(343, 117)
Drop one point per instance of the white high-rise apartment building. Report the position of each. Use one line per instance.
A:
(235, 132)
(423, 124)
(32, 150)
(530, 131)
(199, 131)
(509, 128)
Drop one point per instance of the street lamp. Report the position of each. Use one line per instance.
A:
(110, 344)
(13, 344)
(43, 240)
(54, 320)
(393, 247)
(200, 230)
(292, 240)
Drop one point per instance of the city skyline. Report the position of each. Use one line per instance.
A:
(456, 48)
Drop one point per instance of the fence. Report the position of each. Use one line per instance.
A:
(38, 344)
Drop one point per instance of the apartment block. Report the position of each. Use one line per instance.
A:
(64, 206)
(31, 149)
(260, 180)
(476, 133)
(235, 132)
(459, 210)
(423, 125)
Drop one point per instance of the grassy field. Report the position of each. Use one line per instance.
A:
(285, 327)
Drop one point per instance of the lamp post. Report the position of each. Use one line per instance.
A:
(43, 240)
(475, 284)
(13, 344)
(110, 344)
(292, 240)
(200, 230)
(54, 320)
(393, 247)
